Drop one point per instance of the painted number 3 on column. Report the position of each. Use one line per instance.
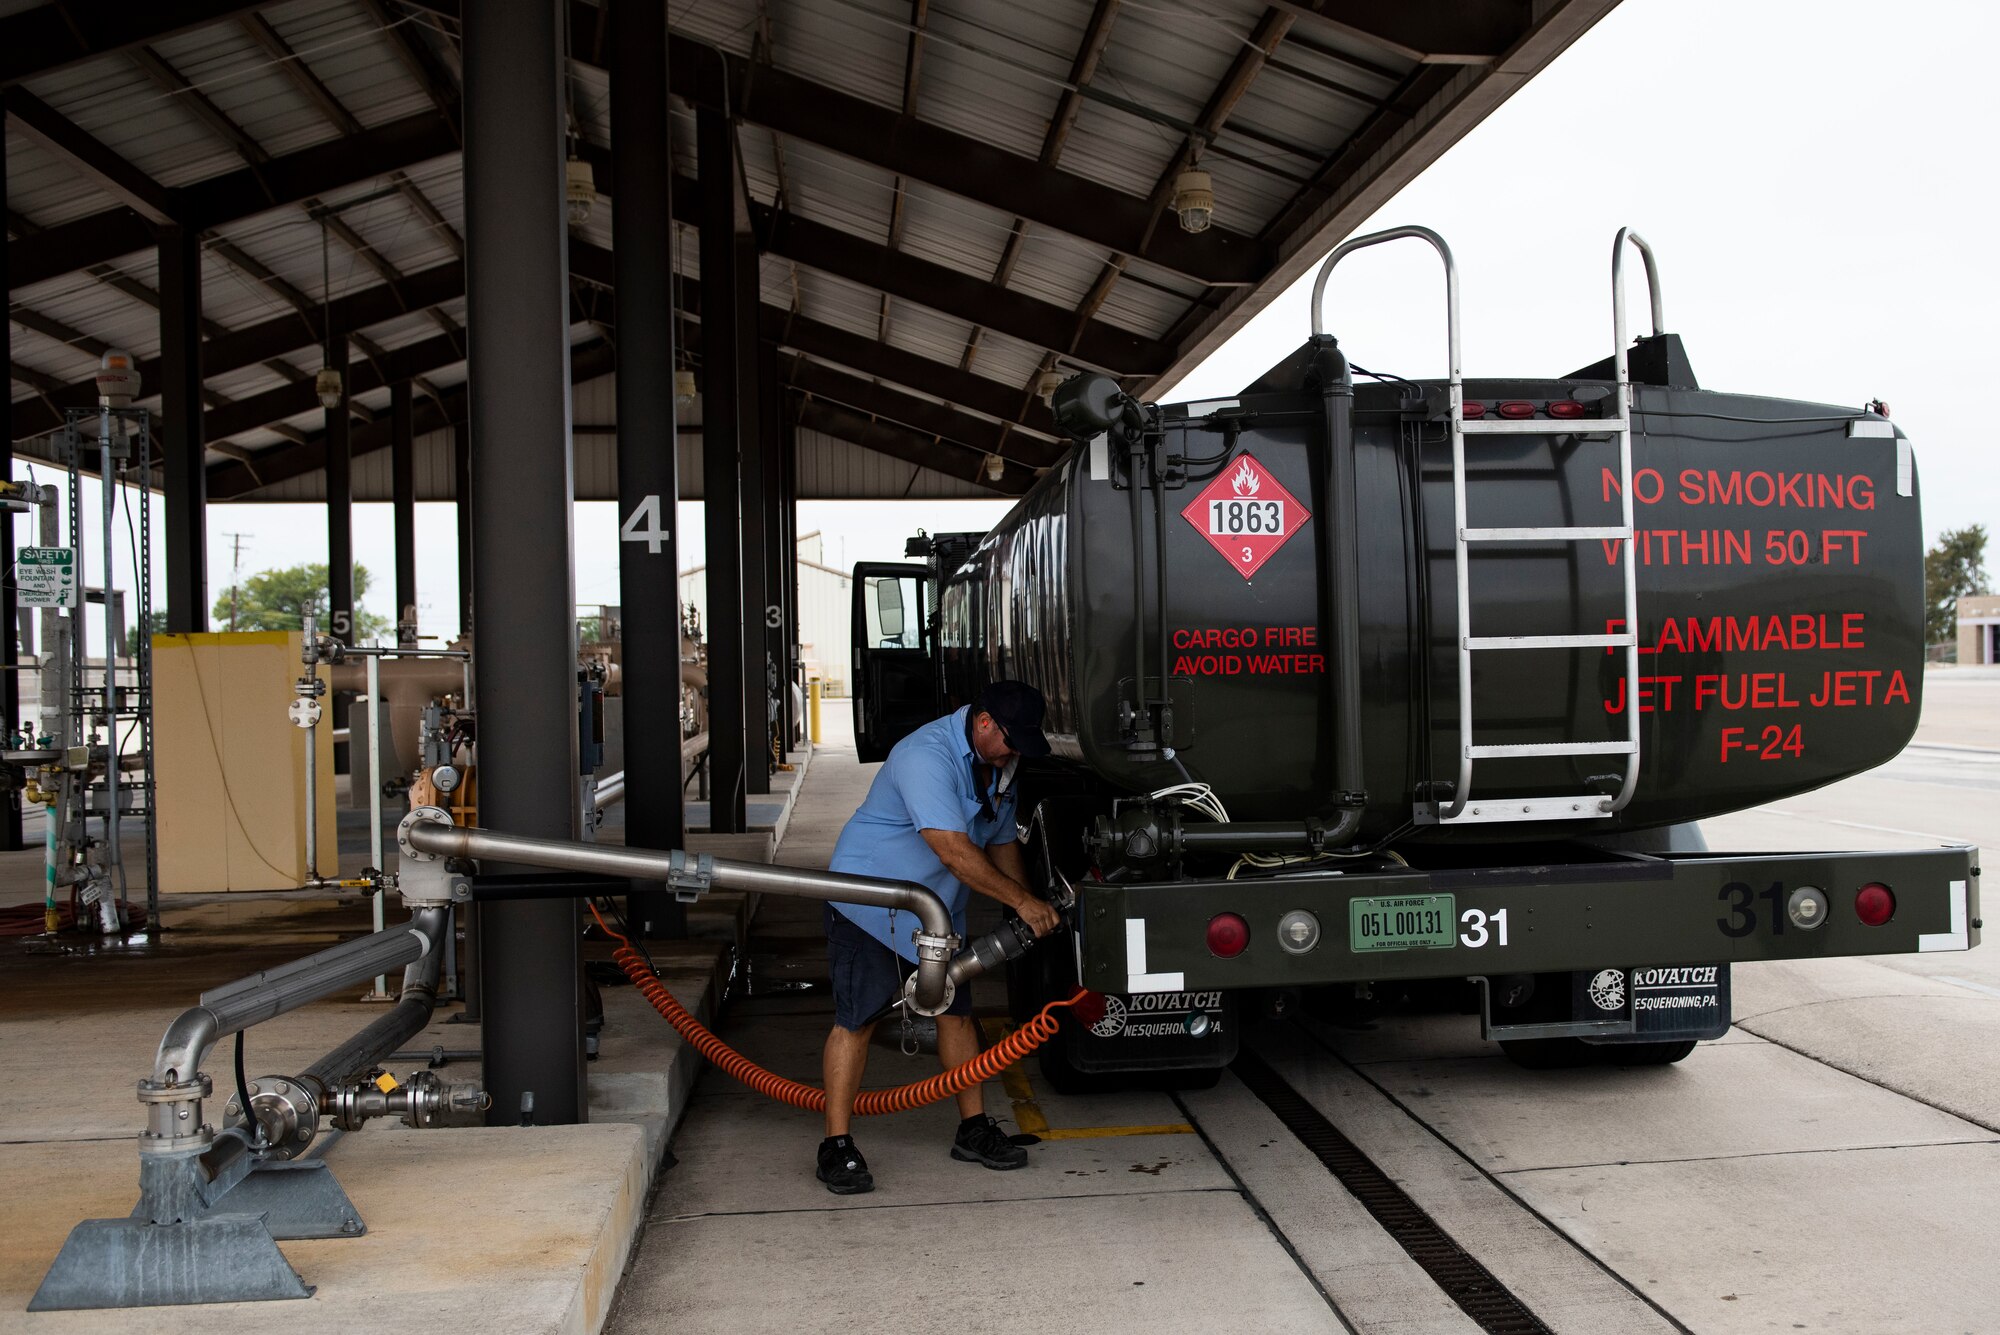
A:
(643, 525)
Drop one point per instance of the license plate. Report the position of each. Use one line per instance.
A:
(1405, 922)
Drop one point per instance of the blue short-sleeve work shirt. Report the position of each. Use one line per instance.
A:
(927, 783)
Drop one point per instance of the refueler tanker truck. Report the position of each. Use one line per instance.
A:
(1357, 683)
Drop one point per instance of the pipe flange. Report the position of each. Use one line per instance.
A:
(286, 1112)
(910, 998)
(173, 1116)
(418, 816)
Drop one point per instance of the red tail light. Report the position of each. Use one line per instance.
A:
(1517, 408)
(1473, 411)
(1874, 904)
(1227, 936)
(1089, 1008)
(1565, 408)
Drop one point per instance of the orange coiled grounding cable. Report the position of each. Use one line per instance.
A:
(902, 1098)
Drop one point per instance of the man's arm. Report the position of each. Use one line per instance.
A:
(997, 873)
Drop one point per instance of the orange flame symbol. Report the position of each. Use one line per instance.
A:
(1244, 480)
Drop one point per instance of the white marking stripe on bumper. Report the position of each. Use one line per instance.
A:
(1136, 977)
(1959, 937)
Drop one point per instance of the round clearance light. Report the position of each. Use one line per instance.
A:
(1228, 934)
(1298, 932)
(1198, 1024)
(1874, 904)
(1807, 908)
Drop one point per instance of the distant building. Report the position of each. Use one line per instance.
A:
(1979, 630)
(826, 613)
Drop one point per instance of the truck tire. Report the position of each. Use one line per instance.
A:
(1559, 1054)
(1643, 1054)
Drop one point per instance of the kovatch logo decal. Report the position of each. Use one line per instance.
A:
(1246, 515)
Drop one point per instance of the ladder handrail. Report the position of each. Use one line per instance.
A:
(1346, 248)
(1626, 234)
(1624, 400)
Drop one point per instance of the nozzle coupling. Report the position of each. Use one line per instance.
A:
(421, 1101)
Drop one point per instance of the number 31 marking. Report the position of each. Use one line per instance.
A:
(1475, 934)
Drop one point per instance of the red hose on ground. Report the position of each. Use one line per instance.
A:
(902, 1098)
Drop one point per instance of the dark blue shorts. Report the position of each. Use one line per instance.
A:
(867, 975)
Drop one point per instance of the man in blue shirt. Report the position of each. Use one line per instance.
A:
(941, 812)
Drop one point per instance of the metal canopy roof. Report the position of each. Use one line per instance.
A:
(951, 196)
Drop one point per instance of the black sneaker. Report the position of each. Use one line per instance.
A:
(980, 1140)
(842, 1168)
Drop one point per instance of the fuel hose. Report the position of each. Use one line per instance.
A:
(902, 1098)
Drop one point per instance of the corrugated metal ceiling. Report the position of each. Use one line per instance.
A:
(995, 71)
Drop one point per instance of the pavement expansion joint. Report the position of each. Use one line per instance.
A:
(1747, 1154)
(838, 1208)
(1743, 1021)
(1555, 1230)
(1866, 1079)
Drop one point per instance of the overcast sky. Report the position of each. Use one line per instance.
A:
(1816, 176)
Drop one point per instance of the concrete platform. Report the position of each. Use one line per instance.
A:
(485, 1229)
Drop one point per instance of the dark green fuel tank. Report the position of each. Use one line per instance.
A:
(1779, 562)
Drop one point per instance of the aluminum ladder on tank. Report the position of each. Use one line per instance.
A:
(1461, 810)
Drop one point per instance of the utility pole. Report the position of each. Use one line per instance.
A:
(235, 571)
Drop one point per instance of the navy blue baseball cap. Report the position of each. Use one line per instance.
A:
(1018, 708)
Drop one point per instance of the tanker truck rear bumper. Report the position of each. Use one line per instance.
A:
(1330, 927)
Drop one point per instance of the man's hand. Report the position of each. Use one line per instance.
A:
(1039, 914)
(995, 872)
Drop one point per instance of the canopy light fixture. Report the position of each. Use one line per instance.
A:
(579, 189)
(117, 378)
(327, 385)
(684, 388)
(1194, 200)
(1046, 387)
(995, 466)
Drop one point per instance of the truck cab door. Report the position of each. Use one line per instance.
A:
(895, 677)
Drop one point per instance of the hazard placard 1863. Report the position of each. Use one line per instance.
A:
(1246, 515)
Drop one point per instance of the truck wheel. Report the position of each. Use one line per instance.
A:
(1548, 1054)
(1558, 1054)
(1057, 1073)
(1643, 1054)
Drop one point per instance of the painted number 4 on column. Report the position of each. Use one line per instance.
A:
(643, 525)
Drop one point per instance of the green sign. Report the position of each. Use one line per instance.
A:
(1405, 922)
(46, 577)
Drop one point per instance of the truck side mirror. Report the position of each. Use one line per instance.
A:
(889, 608)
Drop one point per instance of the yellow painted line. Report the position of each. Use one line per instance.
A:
(1028, 1113)
(1095, 1132)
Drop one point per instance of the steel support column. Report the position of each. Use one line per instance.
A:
(461, 477)
(517, 303)
(186, 474)
(403, 485)
(648, 464)
(788, 473)
(770, 429)
(759, 359)
(10, 648)
(721, 448)
(340, 528)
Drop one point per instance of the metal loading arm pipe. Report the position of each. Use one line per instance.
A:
(935, 942)
(404, 1021)
(273, 992)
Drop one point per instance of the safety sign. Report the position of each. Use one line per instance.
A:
(46, 577)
